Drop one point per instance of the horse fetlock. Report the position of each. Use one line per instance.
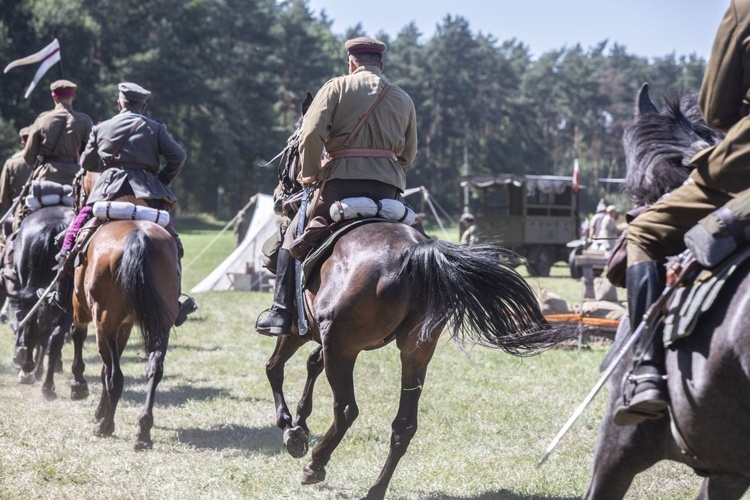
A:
(104, 429)
(313, 474)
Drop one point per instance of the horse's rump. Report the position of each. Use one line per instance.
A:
(131, 270)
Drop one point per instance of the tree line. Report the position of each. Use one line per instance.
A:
(227, 78)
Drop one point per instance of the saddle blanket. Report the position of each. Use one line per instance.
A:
(693, 299)
(123, 210)
(48, 193)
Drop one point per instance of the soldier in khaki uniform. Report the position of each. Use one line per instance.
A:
(15, 174)
(469, 234)
(721, 173)
(127, 150)
(371, 164)
(57, 137)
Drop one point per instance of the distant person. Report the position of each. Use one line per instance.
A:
(609, 229)
(15, 174)
(596, 221)
(469, 232)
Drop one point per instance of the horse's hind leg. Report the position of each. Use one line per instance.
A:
(339, 367)
(414, 361)
(154, 372)
(285, 348)
(79, 388)
(723, 487)
(56, 341)
(296, 439)
(112, 384)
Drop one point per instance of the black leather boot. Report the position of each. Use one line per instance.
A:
(187, 306)
(281, 315)
(645, 393)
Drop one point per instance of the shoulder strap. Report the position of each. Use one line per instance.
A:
(124, 139)
(367, 114)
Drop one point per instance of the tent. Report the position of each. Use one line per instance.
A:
(243, 269)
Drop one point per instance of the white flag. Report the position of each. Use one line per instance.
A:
(48, 56)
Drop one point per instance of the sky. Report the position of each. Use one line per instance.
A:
(648, 28)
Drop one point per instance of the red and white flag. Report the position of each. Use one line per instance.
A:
(576, 177)
(48, 56)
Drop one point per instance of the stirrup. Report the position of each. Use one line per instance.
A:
(275, 330)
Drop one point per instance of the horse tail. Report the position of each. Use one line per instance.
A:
(143, 300)
(476, 291)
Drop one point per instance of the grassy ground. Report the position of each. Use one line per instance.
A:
(485, 418)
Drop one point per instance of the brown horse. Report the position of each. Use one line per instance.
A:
(128, 277)
(386, 282)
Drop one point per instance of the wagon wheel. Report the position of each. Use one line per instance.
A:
(575, 270)
(540, 260)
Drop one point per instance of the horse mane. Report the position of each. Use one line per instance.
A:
(660, 144)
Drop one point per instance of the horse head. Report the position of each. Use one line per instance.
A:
(660, 144)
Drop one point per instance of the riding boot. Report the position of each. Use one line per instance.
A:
(645, 393)
(62, 296)
(187, 306)
(281, 315)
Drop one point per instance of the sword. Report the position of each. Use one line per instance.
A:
(302, 325)
(648, 322)
(39, 302)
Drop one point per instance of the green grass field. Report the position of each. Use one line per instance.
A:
(485, 417)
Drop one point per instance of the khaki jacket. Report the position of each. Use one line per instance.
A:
(60, 132)
(12, 179)
(334, 113)
(141, 141)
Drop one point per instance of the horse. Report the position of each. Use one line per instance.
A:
(708, 373)
(389, 282)
(33, 260)
(128, 276)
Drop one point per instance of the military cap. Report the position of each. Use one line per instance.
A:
(364, 44)
(24, 132)
(133, 92)
(63, 87)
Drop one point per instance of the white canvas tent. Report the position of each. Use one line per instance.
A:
(243, 269)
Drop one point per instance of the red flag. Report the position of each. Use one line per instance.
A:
(576, 179)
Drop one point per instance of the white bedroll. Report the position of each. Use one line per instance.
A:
(124, 210)
(362, 208)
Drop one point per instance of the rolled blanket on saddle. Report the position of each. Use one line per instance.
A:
(362, 208)
(720, 233)
(123, 210)
(48, 193)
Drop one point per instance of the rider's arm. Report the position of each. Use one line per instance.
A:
(727, 79)
(173, 154)
(315, 132)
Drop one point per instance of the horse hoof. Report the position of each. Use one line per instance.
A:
(49, 393)
(79, 391)
(143, 445)
(295, 441)
(100, 430)
(313, 475)
(26, 378)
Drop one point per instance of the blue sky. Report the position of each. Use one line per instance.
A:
(650, 28)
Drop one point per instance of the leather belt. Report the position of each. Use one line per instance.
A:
(56, 158)
(132, 166)
(362, 153)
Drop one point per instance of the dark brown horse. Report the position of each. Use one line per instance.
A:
(708, 372)
(387, 282)
(128, 277)
(34, 260)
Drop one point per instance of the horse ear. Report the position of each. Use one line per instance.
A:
(306, 103)
(644, 104)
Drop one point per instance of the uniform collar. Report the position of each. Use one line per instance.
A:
(61, 105)
(370, 69)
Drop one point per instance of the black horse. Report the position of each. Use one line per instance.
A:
(34, 262)
(709, 371)
(387, 282)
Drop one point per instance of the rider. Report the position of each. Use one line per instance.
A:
(15, 174)
(126, 150)
(469, 235)
(370, 164)
(55, 141)
(721, 172)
